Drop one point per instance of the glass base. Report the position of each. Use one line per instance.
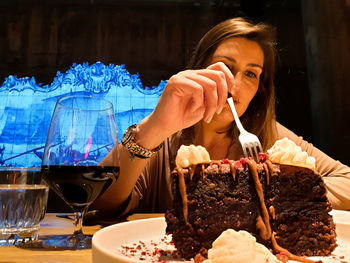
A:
(17, 236)
(59, 242)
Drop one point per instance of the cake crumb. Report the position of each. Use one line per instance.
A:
(153, 251)
(163, 250)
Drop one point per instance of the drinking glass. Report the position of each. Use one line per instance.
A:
(82, 133)
(23, 200)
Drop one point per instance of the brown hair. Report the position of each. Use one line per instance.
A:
(259, 118)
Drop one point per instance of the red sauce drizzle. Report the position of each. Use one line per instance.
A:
(237, 164)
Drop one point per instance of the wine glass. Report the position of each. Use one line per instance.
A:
(82, 132)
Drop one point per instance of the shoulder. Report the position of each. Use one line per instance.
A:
(282, 132)
(326, 165)
(306, 146)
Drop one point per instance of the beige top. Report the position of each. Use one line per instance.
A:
(152, 192)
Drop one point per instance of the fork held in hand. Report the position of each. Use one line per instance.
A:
(250, 142)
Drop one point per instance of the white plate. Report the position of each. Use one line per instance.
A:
(141, 240)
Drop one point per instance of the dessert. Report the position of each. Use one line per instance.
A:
(240, 246)
(284, 206)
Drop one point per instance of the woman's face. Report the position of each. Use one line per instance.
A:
(245, 59)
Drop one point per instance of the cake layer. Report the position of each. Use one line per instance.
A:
(213, 198)
(295, 183)
(305, 228)
(286, 182)
(207, 221)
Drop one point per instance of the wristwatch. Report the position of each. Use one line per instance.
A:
(136, 150)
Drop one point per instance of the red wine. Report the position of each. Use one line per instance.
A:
(79, 185)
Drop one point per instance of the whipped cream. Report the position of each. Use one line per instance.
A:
(236, 247)
(189, 155)
(285, 151)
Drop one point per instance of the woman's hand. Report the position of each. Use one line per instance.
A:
(188, 97)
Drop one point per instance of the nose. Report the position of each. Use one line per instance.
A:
(238, 78)
(237, 82)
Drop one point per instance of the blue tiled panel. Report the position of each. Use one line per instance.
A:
(26, 106)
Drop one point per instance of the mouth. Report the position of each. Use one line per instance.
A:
(234, 100)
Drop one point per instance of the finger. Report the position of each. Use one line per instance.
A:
(189, 90)
(221, 86)
(228, 74)
(210, 94)
(224, 89)
(197, 101)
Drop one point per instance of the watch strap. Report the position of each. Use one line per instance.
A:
(136, 150)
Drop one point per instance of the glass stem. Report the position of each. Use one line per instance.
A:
(78, 220)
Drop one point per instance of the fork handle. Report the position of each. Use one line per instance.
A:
(235, 115)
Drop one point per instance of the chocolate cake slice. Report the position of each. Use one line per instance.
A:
(283, 206)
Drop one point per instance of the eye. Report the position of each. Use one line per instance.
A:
(251, 74)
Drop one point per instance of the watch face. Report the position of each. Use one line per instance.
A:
(133, 148)
(128, 133)
(125, 136)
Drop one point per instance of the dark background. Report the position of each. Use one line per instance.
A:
(156, 39)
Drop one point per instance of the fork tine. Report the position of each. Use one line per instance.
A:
(252, 150)
(244, 147)
(250, 142)
(256, 148)
(259, 147)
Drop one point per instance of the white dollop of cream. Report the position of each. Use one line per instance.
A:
(189, 155)
(285, 151)
(236, 247)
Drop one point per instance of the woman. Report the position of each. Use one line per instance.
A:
(235, 58)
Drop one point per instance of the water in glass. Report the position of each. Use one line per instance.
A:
(23, 200)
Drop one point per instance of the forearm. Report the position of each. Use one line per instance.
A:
(336, 177)
(189, 97)
(112, 201)
(338, 191)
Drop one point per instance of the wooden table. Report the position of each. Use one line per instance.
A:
(53, 225)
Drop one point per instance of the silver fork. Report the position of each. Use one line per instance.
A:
(250, 142)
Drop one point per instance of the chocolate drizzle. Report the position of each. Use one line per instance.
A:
(267, 173)
(203, 169)
(191, 170)
(270, 166)
(261, 226)
(264, 233)
(285, 255)
(263, 219)
(263, 223)
(233, 170)
(182, 188)
(272, 212)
